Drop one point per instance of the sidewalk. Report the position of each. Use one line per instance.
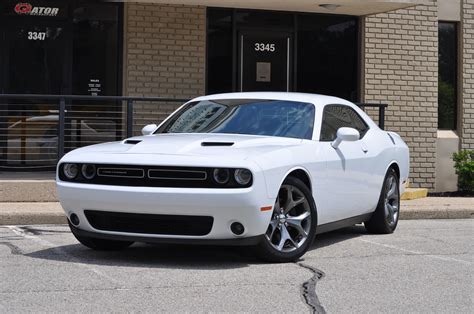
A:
(425, 208)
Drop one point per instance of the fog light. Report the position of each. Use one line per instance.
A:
(237, 228)
(221, 176)
(88, 171)
(74, 219)
(70, 170)
(242, 176)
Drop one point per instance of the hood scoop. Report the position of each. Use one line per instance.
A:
(217, 143)
(132, 142)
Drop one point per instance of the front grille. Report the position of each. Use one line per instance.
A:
(153, 176)
(121, 172)
(149, 223)
(174, 174)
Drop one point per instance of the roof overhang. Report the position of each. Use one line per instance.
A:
(347, 7)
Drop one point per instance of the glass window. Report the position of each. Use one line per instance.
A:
(327, 55)
(96, 49)
(447, 76)
(243, 116)
(338, 116)
(219, 51)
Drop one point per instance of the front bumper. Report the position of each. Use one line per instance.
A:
(224, 205)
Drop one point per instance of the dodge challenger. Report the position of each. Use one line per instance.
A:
(268, 170)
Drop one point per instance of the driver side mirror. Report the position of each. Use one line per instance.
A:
(148, 129)
(345, 134)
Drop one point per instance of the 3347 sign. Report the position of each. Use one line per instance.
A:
(37, 36)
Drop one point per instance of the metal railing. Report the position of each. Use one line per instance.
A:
(37, 130)
(381, 113)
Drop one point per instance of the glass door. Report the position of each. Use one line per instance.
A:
(265, 60)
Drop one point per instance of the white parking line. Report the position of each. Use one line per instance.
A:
(45, 243)
(434, 256)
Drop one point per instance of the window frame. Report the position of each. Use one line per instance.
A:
(362, 135)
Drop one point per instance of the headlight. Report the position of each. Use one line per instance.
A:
(88, 171)
(70, 171)
(242, 176)
(221, 176)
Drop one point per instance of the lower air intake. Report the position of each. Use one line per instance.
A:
(150, 224)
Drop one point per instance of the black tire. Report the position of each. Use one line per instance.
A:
(383, 220)
(268, 251)
(100, 244)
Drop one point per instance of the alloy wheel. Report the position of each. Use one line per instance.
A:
(291, 220)
(392, 201)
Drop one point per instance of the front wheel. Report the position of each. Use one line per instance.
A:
(292, 226)
(100, 244)
(385, 218)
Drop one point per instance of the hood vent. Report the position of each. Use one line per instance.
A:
(132, 142)
(217, 143)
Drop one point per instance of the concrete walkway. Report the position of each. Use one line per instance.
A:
(425, 208)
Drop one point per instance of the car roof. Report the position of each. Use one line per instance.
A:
(316, 99)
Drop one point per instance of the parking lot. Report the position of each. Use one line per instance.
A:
(426, 266)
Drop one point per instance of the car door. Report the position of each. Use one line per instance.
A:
(348, 168)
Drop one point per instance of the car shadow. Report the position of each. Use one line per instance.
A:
(205, 257)
(333, 237)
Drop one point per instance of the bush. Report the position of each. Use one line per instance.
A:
(464, 165)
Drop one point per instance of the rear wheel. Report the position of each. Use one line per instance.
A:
(292, 226)
(385, 217)
(100, 244)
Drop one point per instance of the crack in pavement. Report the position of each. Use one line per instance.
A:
(38, 231)
(308, 289)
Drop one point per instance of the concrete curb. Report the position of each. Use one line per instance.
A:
(437, 214)
(427, 208)
(33, 219)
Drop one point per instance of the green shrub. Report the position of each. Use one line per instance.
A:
(464, 165)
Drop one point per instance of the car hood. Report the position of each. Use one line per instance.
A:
(222, 145)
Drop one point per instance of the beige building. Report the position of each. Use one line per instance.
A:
(417, 56)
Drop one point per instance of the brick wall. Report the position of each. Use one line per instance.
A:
(401, 68)
(467, 140)
(164, 56)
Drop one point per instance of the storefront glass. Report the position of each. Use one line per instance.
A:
(55, 48)
(250, 50)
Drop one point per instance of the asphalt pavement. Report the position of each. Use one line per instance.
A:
(426, 266)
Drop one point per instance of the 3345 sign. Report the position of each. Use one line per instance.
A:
(264, 47)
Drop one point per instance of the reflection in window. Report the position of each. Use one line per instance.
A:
(447, 76)
(253, 117)
(339, 116)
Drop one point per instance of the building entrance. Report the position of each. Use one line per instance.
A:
(256, 50)
(265, 61)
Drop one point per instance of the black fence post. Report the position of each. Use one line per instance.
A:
(62, 112)
(382, 117)
(129, 118)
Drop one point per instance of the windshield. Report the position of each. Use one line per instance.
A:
(243, 116)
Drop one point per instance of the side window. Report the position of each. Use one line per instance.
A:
(338, 116)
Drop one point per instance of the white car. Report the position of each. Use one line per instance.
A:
(270, 170)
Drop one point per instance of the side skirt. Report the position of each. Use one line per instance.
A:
(342, 223)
